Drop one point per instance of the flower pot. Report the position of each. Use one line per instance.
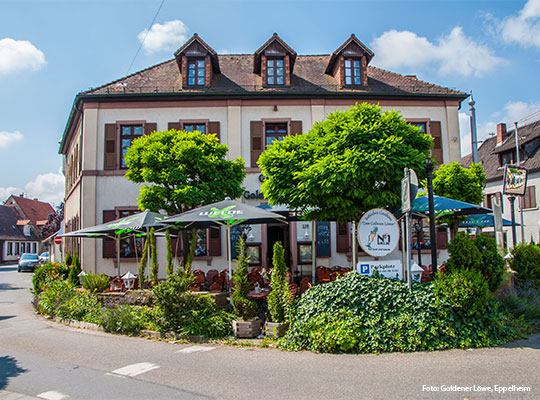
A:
(247, 329)
(276, 329)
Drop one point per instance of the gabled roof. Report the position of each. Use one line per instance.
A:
(191, 41)
(32, 210)
(352, 39)
(275, 38)
(8, 225)
(489, 152)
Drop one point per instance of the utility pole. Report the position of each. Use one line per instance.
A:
(518, 162)
(474, 140)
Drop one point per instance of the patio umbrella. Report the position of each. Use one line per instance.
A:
(447, 207)
(122, 227)
(227, 213)
(482, 220)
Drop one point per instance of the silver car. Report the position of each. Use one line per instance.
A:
(28, 262)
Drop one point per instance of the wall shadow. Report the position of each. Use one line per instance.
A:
(9, 368)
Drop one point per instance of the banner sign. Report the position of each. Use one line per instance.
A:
(515, 180)
(378, 232)
(389, 269)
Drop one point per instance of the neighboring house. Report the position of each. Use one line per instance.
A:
(15, 237)
(494, 153)
(247, 100)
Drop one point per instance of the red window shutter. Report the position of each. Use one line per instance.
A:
(256, 142)
(296, 127)
(174, 125)
(110, 156)
(214, 241)
(150, 127)
(109, 248)
(213, 127)
(342, 237)
(442, 238)
(436, 133)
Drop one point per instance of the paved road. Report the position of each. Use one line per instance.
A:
(44, 359)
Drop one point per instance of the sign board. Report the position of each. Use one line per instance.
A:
(378, 232)
(323, 239)
(515, 180)
(236, 233)
(409, 189)
(388, 269)
(58, 240)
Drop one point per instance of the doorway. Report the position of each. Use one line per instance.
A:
(277, 233)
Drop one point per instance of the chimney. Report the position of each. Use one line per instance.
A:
(501, 133)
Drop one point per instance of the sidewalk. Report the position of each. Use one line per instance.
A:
(5, 395)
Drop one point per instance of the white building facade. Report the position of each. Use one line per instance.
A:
(247, 101)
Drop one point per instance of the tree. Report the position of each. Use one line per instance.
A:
(181, 171)
(279, 299)
(458, 183)
(243, 307)
(345, 165)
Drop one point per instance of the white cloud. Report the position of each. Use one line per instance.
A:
(166, 37)
(47, 187)
(8, 191)
(8, 138)
(19, 55)
(523, 28)
(513, 111)
(453, 54)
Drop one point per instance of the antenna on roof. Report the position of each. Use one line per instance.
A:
(147, 32)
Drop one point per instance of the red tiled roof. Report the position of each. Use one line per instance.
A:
(237, 77)
(33, 210)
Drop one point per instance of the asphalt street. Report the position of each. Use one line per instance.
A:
(42, 358)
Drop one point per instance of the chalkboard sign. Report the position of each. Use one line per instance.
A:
(236, 233)
(323, 239)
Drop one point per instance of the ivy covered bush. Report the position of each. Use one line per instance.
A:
(361, 314)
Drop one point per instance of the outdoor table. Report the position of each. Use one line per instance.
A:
(260, 299)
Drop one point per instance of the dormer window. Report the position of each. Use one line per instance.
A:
(196, 72)
(353, 75)
(275, 71)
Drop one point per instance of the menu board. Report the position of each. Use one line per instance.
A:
(236, 233)
(323, 239)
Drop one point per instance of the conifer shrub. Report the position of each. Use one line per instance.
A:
(243, 307)
(170, 267)
(154, 267)
(526, 263)
(74, 271)
(142, 264)
(280, 296)
(95, 283)
(68, 260)
(478, 254)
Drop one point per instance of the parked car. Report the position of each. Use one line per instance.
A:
(28, 261)
(44, 257)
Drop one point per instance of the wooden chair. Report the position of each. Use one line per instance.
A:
(255, 277)
(195, 287)
(323, 275)
(211, 276)
(293, 288)
(305, 284)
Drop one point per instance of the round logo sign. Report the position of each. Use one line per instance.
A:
(378, 232)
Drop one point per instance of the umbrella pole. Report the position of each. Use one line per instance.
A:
(313, 251)
(229, 254)
(118, 254)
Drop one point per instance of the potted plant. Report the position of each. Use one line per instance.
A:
(279, 299)
(248, 326)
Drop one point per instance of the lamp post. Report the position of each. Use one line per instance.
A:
(432, 231)
(474, 140)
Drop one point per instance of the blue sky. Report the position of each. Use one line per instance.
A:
(51, 50)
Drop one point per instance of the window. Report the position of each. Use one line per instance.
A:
(34, 248)
(191, 127)
(130, 247)
(196, 72)
(201, 247)
(275, 74)
(17, 249)
(352, 72)
(28, 248)
(274, 131)
(421, 125)
(506, 158)
(128, 133)
(10, 249)
(529, 199)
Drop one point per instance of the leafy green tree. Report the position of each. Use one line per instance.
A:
(345, 165)
(279, 299)
(181, 171)
(459, 183)
(154, 267)
(143, 262)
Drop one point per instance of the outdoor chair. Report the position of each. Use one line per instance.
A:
(305, 284)
(323, 276)
(194, 287)
(293, 288)
(211, 276)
